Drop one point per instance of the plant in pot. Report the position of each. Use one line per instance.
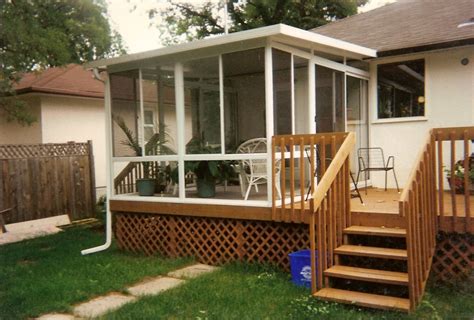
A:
(456, 178)
(155, 175)
(207, 172)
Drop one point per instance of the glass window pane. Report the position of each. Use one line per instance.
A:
(244, 97)
(125, 104)
(401, 89)
(202, 110)
(282, 115)
(159, 110)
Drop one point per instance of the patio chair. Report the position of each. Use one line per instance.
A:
(373, 159)
(253, 172)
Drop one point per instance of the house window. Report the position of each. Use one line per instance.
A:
(401, 89)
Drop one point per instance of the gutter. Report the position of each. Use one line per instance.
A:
(108, 216)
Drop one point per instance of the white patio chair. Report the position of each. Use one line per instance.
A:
(253, 172)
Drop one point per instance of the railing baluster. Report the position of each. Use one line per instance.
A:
(302, 178)
(292, 179)
(467, 209)
(274, 188)
(453, 188)
(283, 178)
(440, 176)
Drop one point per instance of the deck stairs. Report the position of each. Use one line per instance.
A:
(370, 269)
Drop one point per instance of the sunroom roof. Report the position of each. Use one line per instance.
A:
(279, 32)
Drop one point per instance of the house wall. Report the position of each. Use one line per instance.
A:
(77, 119)
(14, 133)
(449, 102)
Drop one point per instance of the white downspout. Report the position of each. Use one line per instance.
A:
(108, 216)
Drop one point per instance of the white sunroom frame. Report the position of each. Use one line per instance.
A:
(267, 38)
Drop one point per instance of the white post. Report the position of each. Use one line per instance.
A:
(180, 123)
(312, 96)
(221, 103)
(269, 116)
(140, 120)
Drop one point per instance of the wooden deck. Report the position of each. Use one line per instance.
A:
(381, 201)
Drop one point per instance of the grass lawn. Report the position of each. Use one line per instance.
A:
(256, 292)
(49, 274)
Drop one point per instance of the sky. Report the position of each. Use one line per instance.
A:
(130, 19)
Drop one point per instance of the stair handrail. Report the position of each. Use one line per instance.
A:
(417, 204)
(333, 216)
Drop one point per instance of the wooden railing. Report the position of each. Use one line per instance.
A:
(327, 156)
(126, 180)
(298, 162)
(423, 199)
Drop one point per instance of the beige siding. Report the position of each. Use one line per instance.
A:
(449, 91)
(76, 119)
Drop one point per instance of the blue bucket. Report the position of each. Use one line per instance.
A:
(300, 265)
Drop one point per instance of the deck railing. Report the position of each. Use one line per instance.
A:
(126, 180)
(329, 202)
(420, 203)
(299, 161)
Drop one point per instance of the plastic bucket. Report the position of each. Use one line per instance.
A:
(300, 265)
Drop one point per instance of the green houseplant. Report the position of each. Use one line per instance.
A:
(155, 176)
(207, 172)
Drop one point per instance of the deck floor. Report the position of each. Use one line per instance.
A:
(379, 200)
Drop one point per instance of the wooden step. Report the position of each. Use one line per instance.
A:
(374, 252)
(372, 275)
(364, 299)
(376, 231)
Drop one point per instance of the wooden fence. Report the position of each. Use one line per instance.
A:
(45, 180)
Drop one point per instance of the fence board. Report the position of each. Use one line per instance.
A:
(45, 180)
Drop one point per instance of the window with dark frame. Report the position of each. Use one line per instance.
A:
(401, 89)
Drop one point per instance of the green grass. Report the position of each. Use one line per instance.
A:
(49, 274)
(241, 291)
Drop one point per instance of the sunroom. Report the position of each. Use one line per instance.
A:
(194, 123)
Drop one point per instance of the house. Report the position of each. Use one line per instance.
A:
(68, 104)
(288, 109)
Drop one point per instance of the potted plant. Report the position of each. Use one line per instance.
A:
(456, 178)
(207, 172)
(155, 176)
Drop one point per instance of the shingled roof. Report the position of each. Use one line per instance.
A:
(407, 26)
(71, 80)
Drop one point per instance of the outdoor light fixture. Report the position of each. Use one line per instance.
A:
(421, 99)
(467, 23)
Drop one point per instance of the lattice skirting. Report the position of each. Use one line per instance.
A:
(454, 257)
(210, 240)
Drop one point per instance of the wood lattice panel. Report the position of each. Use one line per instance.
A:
(211, 240)
(23, 151)
(454, 257)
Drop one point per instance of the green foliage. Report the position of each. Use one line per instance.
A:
(35, 35)
(49, 274)
(200, 21)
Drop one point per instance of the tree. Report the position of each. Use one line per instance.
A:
(35, 35)
(186, 21)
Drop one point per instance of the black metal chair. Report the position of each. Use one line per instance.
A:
(373, 159)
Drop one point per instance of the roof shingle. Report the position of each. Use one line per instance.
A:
(406, 24)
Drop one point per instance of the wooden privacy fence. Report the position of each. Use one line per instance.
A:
(44, 180)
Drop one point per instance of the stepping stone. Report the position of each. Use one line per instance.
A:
(154, 286)
(56, 316)
(101, 305)
(192, 271)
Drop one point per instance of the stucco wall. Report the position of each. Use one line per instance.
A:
(449, 96)
(14, 133)
(76, 119)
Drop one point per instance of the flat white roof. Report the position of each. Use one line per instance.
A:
(306, 37)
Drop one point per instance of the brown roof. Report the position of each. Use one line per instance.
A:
(407, 25)
(68, 80)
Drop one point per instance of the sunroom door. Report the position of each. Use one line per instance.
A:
(330, 100)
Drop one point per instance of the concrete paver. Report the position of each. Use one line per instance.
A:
(192, 271)
(154, 286)
(102, 305)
